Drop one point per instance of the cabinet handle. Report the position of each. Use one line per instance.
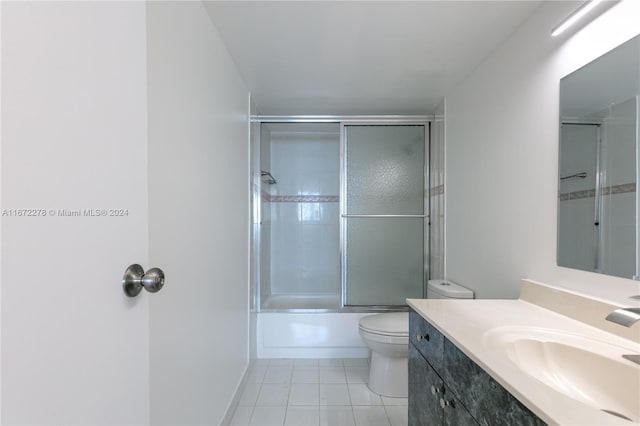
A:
(420, 337)
(444, 403)
(437, 390)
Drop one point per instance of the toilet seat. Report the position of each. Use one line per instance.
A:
(394, 324)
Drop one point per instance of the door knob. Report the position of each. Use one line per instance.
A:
(135, 279)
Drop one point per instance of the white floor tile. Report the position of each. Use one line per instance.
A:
(268, 416)
(249, 394)
(357, 374)
(273, 394)
(305, 375)
(334, 394)
(328, 392)
(302, 416)
(256, 375)
(361, 395)
(394, 401)
(284, 362)
(333, 374)
(242, 416)
(330, 362)
(370, 416)
(304, 394)
(306, 363)
(336, 416)
(398, 415)
(355, 362)
(278, 374)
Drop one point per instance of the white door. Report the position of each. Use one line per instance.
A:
(74, 213)
(135, 109)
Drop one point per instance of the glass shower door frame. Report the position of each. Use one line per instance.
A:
(344, 215)
(255, 124)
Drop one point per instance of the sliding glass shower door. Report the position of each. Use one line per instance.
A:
(383, 214)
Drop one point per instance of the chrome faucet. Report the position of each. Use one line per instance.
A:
(625, 316)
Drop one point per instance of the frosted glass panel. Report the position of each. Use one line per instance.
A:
(385, 169)
(384, 260)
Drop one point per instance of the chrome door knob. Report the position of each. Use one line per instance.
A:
(153, 280)
(135, 279)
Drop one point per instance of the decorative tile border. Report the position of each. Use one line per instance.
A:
(590, 193)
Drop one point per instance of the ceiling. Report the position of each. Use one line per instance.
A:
(360, 57)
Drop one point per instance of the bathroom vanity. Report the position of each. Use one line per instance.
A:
(521, 362)
(447, 387)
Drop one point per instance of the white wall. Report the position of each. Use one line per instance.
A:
(198, 216)
(74, 348)
(502, 156)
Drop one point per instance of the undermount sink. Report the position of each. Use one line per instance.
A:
(587, 370)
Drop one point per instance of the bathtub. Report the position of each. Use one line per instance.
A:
(310, 335)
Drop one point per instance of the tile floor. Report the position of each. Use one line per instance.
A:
(301, 392)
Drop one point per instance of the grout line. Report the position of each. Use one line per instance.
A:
(273, 362)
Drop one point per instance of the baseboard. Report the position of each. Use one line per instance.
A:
(226, 420)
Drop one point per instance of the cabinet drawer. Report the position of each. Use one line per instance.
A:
(428, 340)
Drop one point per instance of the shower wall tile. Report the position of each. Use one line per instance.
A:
(305, 249)
(305, 163)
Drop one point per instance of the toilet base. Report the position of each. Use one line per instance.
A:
(389, 376)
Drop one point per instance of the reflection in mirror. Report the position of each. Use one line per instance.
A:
(598, 203)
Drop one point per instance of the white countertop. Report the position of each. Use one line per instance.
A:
(465, 322)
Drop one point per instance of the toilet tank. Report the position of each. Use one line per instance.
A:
(443, 289)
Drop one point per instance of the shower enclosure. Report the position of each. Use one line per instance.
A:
(339, 213)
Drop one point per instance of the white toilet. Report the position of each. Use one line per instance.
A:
(443, 289)
(387, 335)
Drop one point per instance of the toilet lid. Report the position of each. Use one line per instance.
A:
(391, 324)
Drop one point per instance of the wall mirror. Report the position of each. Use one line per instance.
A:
(598, 173)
